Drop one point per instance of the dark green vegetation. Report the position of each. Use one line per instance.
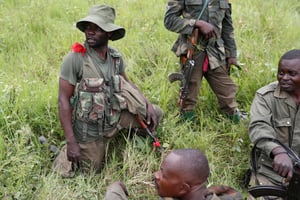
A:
(35, 36)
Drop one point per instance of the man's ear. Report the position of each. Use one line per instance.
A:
(109, 34)
(185, 188)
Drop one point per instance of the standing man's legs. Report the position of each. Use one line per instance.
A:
(194, 84)
(224, 88)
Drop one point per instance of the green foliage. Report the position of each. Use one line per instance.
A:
(36, 35)
(22, 165)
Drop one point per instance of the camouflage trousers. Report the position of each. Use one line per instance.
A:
(92, 153)
(219, 81)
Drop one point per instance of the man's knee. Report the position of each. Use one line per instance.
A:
(92, 156)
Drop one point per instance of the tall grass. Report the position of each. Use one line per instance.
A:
(35, 35)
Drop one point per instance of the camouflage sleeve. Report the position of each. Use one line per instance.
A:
(119, 58)
(228, 34)
(173, 19)
(122, 65)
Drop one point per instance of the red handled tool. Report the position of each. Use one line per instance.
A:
(156, 143)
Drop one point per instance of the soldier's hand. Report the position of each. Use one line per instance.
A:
(206, 29)
(282, 164)
(231, 61)
(151, 117)
(73, 152)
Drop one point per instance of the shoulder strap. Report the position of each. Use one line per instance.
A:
(115, 54)
(116, 59)
(93, 67)
(203, 8)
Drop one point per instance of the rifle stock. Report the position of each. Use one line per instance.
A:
(193, 39)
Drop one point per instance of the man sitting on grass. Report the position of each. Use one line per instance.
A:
(182, 176)
(275, 114)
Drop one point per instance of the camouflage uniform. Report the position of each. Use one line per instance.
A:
(180, 18)
(92, 135)
(274, 114)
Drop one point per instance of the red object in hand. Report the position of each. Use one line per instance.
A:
(156, 143)
(78, 48)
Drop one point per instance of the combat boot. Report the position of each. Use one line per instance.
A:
(187, 116)
(238, 116)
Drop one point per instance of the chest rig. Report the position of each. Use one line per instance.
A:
(95, 104)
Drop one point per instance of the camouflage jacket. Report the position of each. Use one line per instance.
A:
(274, 114)
(180, 18)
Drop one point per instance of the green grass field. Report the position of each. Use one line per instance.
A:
(36, 35)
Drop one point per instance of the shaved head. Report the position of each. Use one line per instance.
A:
(181, 172)
(193, 165)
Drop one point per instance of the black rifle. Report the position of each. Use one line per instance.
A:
(288, 192)
(188, 63)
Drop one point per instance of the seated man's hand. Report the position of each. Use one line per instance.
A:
(151, 117)
(282, 163)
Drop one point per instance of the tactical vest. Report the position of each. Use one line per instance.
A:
(95, 104)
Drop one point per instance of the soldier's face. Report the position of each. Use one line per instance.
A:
(95, 36)
(289, 75)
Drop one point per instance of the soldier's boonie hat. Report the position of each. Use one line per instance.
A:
(104, 17)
